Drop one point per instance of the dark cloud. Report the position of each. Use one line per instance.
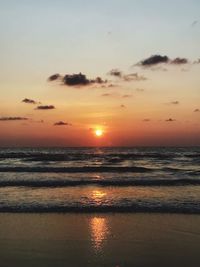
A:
(170, 120)
(76, 79)
(122, 106)
(116, 73)
(46, 107)
(29, 101)
(54, 77)
(154, 60)
(146, 120)
(179, 61)
(13, 119)
(98, 80)
(197, 110)
(61, 123)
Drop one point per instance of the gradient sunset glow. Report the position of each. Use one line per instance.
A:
(109, 73)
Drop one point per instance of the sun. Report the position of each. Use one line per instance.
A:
(98, 132)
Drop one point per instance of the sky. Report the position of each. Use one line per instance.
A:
(128, 68)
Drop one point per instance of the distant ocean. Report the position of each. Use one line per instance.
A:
(100, 180)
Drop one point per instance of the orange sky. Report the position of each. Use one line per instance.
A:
(140, 100)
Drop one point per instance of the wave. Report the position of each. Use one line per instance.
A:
(96, 169)
(129, 208)
(76, 169)
(118, 183)
(33, 156)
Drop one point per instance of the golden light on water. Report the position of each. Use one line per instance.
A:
(98, 225)
(99, 232)
(98, 195)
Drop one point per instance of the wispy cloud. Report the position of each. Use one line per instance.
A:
(134, 77)
(61, 123)
(126, 96)
(173, 103)
(106, 95)
(194, 23)
(37, 121)
(13, 119)
(197, 61)
(122, 106)
(146, 120)
(126, 77)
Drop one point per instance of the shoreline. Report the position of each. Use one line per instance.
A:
(99, 239)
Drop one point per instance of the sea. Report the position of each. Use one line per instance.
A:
(153, 179)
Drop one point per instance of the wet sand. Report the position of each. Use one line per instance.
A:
(103, 240)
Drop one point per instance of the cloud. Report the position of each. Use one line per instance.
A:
(122, 106)
(126, 96)
(170, 120)
(197, 61)
(61, 123)
(106, 94)
(46, 107)
(134, 77)
(13, 119)
(146, 120)
(112, 85)
(197, 110)
(35, 121)
(29, 101)
(126, 77)
(115, 72)
(174, 103)
(76, 79)
(54, 77)
(179, 61)
(153, 60)
(194, 23)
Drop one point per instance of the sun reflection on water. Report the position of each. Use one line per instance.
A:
(99, 232)
(97, 195)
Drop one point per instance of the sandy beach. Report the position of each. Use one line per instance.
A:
(81, 240)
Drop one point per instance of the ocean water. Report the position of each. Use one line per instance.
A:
(100, 180)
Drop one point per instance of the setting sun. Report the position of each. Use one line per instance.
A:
(98, 132)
